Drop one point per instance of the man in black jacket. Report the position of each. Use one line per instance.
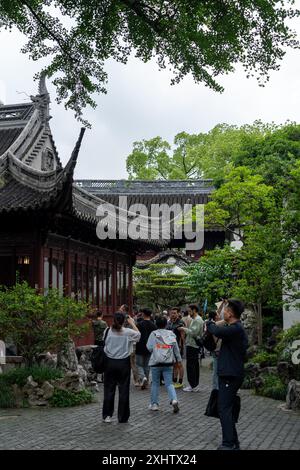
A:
(230, 369)
(146, 326)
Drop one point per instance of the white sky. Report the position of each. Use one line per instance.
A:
(141, 104)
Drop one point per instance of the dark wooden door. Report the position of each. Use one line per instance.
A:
(7, 273)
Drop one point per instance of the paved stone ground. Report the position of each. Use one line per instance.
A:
(263, 425)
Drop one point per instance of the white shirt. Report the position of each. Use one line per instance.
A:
(119, 344)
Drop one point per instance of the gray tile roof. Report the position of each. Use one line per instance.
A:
(15, 112)
(7, 137)
(150, 192)
(150, 187)
(16, 196)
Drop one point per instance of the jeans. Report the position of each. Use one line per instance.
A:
(192, 366)
(168, 379)
(142, 363)
(215, 379)
(117, 373)
(228, 387)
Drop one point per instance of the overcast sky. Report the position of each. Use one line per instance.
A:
(141, 104)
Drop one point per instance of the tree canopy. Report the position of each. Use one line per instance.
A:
(204, 39)
(270, 150)
(159, 286)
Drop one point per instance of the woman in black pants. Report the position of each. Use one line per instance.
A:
(118, 348)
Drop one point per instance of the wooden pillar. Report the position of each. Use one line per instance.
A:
(67, 271)
(87, 279)
(114, 283)
(97, 285)
(37, 269)
(130, 287)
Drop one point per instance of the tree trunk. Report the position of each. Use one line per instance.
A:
(258, 311)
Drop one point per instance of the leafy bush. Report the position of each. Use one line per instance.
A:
(247, 383)
(264, 359)
(272, 388)
(286, 339)
(66, 398)
(39, 374)
(37, 323)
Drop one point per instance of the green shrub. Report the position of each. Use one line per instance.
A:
(66, 398)
(264, 359)
(7, 399)
(39, 374)
(56, 319)
(272, 388)
(247, 383)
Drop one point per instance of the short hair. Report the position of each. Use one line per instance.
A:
(194, 307)
(176, 308)
(161, 322)
(146, 311)
(236, 306)
(125, 307)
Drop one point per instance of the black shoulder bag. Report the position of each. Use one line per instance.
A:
(98, 356)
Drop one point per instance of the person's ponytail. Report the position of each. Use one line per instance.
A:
(118, 321)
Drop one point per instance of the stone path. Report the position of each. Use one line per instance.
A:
(263, 425)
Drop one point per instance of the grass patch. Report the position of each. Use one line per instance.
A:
(39, 374)
(7, 399)
(66, 398)
(19, 377)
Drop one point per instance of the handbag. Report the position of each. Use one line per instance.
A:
(212, 406)
(98, 356)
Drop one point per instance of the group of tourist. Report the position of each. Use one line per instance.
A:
(158, 343)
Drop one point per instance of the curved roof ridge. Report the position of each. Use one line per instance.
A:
(20, 129)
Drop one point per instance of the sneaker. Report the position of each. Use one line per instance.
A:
(175, 406)
(178, 385)
(195, 389)
(234, 447)
(188, 389)
(107, 419)
(154, 407)
(144, 383)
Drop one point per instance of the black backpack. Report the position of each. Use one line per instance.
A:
(207, 341)
(98, 356)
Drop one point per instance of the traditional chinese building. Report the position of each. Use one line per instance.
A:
(148, 193)
(48, 221)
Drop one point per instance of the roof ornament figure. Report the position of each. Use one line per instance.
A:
(42, 84)
(42, 100)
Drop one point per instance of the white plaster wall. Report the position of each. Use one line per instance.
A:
(290, 317)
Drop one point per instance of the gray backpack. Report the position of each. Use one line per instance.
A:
(162, 352)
